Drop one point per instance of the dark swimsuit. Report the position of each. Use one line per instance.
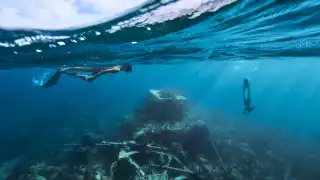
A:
(52, 80)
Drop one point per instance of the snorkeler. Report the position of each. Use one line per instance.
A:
(246, 97)
(72, 71)
(95, 72)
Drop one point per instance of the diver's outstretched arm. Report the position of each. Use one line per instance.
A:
(82, 69)
(246, 87)
(243, 96)
(249, 97)
(81, 76)
(95, 75)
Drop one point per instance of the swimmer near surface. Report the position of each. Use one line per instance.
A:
(48, 81)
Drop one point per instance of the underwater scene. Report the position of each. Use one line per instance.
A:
(160, 90)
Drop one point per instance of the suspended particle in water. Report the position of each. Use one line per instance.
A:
(60, 43)
(133, 42)
(97, 33)
(148, 28)
(38, 50)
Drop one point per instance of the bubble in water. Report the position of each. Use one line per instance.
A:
(40, 81)
(60, 43)
(36, 81)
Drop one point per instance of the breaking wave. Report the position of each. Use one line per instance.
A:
(173, 32)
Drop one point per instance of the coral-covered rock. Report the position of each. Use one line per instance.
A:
(162, 106)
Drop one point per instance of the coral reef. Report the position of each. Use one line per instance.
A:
(158, 142)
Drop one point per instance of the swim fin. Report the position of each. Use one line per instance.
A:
(52, 80)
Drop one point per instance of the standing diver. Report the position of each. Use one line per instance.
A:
(73, 71)
(246, 97)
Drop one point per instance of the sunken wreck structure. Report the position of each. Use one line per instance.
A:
(158, 141)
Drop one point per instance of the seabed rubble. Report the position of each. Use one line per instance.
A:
(159, 141)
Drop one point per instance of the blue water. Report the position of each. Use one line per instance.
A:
(274, 43)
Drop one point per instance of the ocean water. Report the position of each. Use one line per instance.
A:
(204, 52)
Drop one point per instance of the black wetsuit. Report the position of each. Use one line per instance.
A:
(247, 99)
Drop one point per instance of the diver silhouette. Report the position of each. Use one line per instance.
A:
(247, 97)
(95, 72)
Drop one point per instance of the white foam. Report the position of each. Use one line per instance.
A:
(38, 38)
(4, 44)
